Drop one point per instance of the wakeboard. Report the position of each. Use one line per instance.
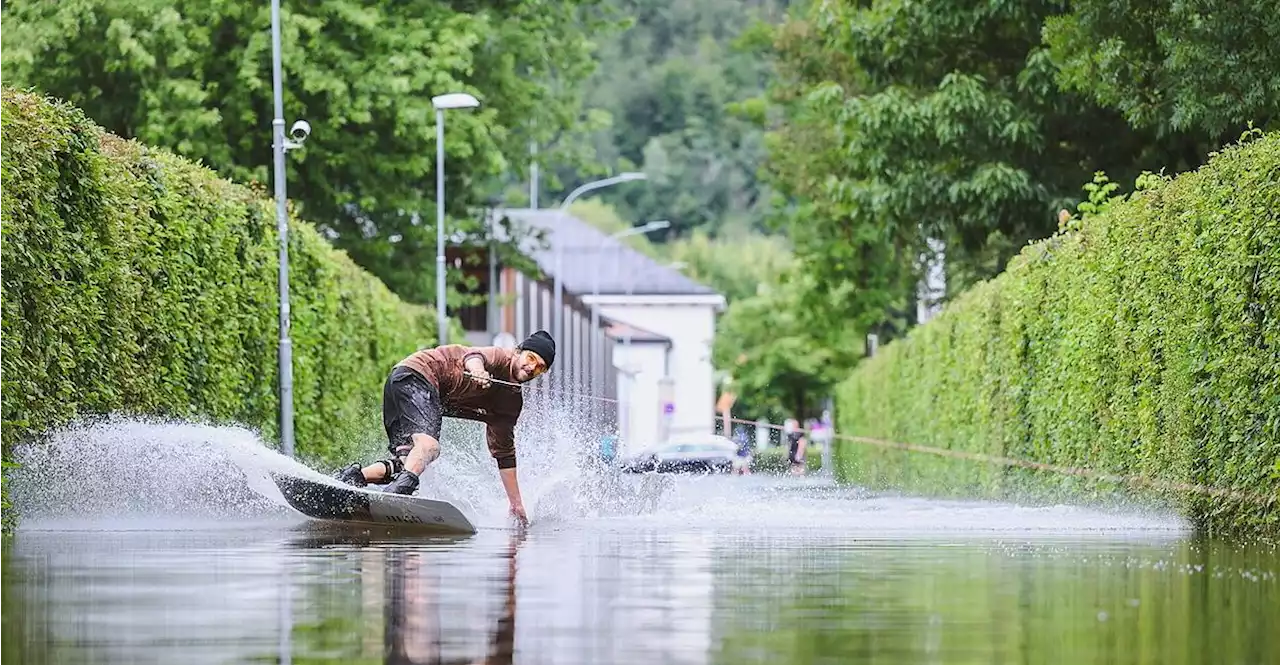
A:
(323, 501)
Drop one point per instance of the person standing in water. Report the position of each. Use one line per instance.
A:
(456, 381)
(795, 446)
(742, 461)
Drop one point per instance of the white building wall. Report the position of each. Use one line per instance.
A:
(691, 329)
(931, 290)
(639, 424)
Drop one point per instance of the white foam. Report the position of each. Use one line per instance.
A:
(168, 473)
(126, 473)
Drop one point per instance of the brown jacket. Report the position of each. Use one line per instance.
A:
(497, 406)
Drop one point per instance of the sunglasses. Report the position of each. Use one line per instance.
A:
(539, 365)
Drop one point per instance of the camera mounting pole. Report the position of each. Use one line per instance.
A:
(299, 132)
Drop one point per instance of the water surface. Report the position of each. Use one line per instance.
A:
(622, 570)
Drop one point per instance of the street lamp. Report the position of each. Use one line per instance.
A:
(456, 100)
(299, 132)
(560, 239)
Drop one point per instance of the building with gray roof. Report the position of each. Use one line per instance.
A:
(661, 323)
(590, 254)
(644, 369)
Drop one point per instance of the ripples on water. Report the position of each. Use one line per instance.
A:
(176, 561)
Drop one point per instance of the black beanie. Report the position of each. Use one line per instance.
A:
(541, 344)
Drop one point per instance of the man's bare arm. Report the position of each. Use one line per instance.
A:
(512, 485)
(502, 445)
(480, 361)
(474, 364)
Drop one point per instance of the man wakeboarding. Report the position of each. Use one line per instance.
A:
(456, 381)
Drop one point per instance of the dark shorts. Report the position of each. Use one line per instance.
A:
(794, 449)
(410, 405)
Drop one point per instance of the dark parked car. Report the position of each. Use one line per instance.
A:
(703, 454)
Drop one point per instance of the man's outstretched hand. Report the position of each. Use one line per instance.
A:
(477, 372)
(517, 513)
(512, 486)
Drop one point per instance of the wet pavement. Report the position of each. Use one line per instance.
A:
(620, 569)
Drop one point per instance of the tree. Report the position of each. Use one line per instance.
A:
(1207, 66)
(668, 83)
(195, 77)
(737, 264)
(904, 122)
(780, 363)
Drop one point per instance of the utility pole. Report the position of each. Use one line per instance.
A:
(300, 131)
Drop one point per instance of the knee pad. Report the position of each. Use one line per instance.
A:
(402, 451)
(392, 467)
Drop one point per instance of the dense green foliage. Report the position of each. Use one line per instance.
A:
(862, 130)
(656, 94)
(737, 264)
(676, 89)
(910, 121)
(777, 358)
(136, 282)
(1207, 66)
(195, 77)
(896, 130)
(668, 84)
(1140, 340)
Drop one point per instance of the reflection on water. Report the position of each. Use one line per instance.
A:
(618, 593)
(182, 560)
(408, 586)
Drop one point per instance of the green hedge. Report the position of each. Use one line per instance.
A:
(1143, 341)
(137, 282)
(774, 460)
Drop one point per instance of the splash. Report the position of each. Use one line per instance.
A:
(162, 474)
(149, 469)
(129, 474)
(561, 477)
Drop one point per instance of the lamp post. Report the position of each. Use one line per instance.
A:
(279, 145)
(560, 240)
(456, 100)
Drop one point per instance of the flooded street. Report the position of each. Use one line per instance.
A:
(637, 570)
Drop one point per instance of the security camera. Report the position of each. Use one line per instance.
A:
(300, 130)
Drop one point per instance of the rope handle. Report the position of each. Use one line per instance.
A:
(498, 381)
(569, 393)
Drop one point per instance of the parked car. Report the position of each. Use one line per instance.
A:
(689, 454)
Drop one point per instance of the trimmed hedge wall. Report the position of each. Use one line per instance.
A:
(1142, 341)
(137, 282)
